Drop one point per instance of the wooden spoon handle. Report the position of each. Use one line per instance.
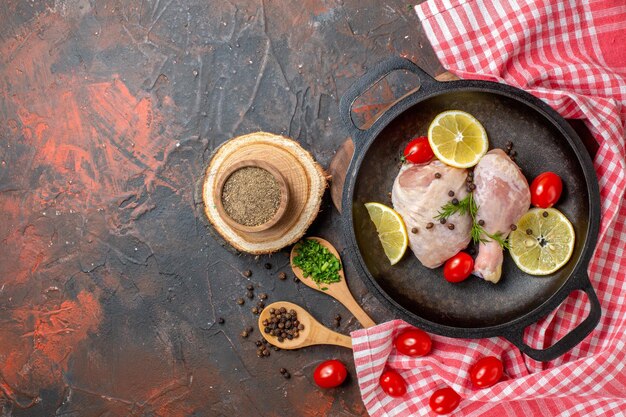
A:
(350, 303)
(337, 339)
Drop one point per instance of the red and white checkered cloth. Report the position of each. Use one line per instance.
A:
(571, 54)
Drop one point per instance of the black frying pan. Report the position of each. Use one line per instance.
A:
(474, 308)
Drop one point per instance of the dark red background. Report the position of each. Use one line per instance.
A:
(112, 281)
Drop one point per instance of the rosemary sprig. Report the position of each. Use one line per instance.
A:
(468, 206)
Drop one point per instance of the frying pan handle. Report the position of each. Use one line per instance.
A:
(367, 81)
(569, 340)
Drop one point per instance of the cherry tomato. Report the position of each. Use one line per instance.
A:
(444, 400)
(330, 374)
(413, 342)
(458, 268)
(392, 383)
(486, 371)
(418, 151)
(545, 190)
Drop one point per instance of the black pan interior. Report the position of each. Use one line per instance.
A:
(473, 303)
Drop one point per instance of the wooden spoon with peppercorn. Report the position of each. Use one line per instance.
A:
(338, 290)
(289, 326)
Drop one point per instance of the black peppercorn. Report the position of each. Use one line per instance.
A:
(255, 310)
(296, 280)
(429, 225)
(481, 222)
(287, 375)
(509, 145)
(220, 320)
(529, 232)
(247, 273)
(513, 227)
(282, 276)
(250, 295)
(451, 193)
(437, 175)
(244, 334)
(263, 296)
(544, 214)
(250, 287)
(472, 187)
(442, 221)
(240, 301)
(414, 230)
(451, 226)
(283, 371)
(455, 201)
(268, 266)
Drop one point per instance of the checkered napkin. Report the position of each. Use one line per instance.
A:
(571, 54)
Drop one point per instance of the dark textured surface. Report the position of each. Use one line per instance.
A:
(111, 281)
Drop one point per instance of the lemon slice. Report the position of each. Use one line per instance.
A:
(391, 230)
(457, 139)
(542, 244)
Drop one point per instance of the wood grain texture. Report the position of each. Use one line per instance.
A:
(338, 290)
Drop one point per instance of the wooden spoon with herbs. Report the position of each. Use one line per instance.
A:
(317, 264)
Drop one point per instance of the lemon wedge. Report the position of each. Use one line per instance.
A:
(542, 243)
(391, 230)
(457, 139)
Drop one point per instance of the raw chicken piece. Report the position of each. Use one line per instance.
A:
(502, 196)
(417, 195)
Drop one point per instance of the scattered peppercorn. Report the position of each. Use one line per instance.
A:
(513, 227)
(247, 273)
(442, 221)
(250, 287)
(455, 201)
(481, 222)
(544, 214)
(472, 187)
(221, 320)
(414, 230)
(451, 226)
(287, 375)
(255, 310)
(268, 266)
(282, 276)
(258, 343)
(244, 334)
(470, 174)
(283, 371)
(437, 175)
(240, 301)
(529, 231)
(263, 296)
(250, 295)
(296, 280)
(509, 145)
(429, 225)
(451, 193)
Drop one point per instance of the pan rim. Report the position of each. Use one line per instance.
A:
(578, 275)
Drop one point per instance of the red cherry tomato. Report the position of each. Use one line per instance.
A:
(545, 190)
(486, 371)
(444, 400)
(392, 383)
(418, 151)
(458, 268)
(330, 374)
(413, 342)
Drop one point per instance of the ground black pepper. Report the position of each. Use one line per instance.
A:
(251, 196)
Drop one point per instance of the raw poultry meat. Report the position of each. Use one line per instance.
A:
(418, 195)
(502, 196)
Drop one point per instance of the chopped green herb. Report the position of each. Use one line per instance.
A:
(468, 206)
(317, 262)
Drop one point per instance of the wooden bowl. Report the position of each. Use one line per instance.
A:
(282, 185)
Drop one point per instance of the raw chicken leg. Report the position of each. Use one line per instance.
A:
(418, 195)
(502, 196)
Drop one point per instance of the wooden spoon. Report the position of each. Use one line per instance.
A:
(338, 290)
(314, 333)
